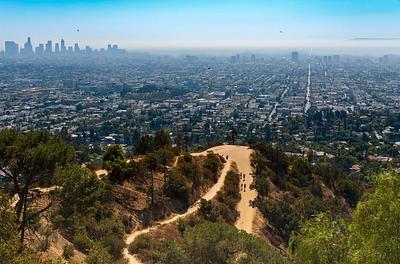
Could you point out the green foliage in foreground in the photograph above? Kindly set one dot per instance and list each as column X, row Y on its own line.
column 321, row 240
column 372, row 237
column 9, row 241
column 84, row 216
column 207, row 242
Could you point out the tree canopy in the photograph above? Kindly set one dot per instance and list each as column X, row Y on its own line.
column 372, row 237
column 29, row 159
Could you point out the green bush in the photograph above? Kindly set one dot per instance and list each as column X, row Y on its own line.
column 309, row 206
column 98, row 255
column 281, row 216
column 82, row 242
column 147, row 247
column 114, row 245
column 105, row 227
column 223, row 208
column 68, row 251
column 142, row 242
column 58, row 221
column 351, row 191
column 300, row 172
column 177, row 186
column 206, row 242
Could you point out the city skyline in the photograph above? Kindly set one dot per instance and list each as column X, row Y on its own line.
column 224, row 24
column 14, row 49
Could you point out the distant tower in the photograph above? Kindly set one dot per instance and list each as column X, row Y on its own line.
column 11, row 49
column 63, row 48
column 28, row 50
column 49, row 47
column 57, row 48
column 253, row 58
column 295, row 56
column 76, row 48
column 39, row 50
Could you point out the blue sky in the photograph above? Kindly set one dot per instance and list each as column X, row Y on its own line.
column 203, row 23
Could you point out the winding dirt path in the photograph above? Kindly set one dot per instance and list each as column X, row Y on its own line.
column 241, row 156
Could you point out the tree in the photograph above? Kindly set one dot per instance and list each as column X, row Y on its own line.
column 152, row 164
column 375, row 233
column 144, row 145
column 282, row 216
column 114, row 161
column 113, row 153
column 233, row 133
column 162, row 139
column 164, row 156
column 321, row 240
column 372, row 237
column 9, row 241
column 28, row 159
column 300, row 173
column 77, row 180
column 261, row 184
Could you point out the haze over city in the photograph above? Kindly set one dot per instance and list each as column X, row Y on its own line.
column 344, row 26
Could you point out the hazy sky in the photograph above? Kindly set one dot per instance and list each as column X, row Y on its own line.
column 203, row 23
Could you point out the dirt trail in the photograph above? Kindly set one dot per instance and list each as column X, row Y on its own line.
column 241, row 156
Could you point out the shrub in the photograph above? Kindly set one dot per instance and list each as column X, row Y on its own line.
column 261, row 183
column 105, row 227
column 281, row 216
column 309, row 206
column 177, row 186
column 351, row 191
column 68, row 251
column 58, row 221
column 147, row 247
column 82, row 242
column 126, row 221
column 300, row 173
column 114, row 245
column 98, row 255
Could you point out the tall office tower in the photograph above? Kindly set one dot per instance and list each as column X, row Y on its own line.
column 70, row 49
column 39, row 50
column 233, row 59
column 88, row 50
column 49, row 47
column 109, row 48
column 115, row 47
column 28, row 49
column 63, row 48
column 253, row 58
column 76, row 48
column 336, row 58
column 57, row 48
column 295, row 56
column 11, row 49
column 238, row 57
